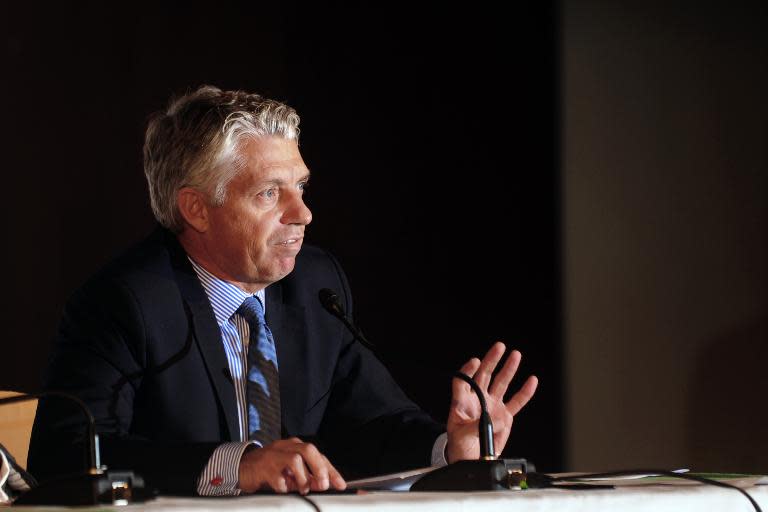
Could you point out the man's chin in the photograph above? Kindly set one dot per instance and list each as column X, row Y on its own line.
column 283, row 267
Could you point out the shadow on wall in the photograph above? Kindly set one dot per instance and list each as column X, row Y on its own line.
column 728, row 419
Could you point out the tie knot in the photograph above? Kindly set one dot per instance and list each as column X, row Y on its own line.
column 252, row 310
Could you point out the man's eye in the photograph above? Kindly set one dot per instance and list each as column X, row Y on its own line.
column 270, row 193
column 303, row 186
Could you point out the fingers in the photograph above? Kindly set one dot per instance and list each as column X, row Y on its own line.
column 288, row 465
column 523, row 396
column 292, row 475
column 279, row 484
column 336, row 480
column 318, row 467
column 470, row 367
column 482, row 372
column 505, row 375
column 488, row 364
column 295, row 469
column 460, row 387
column 464, row 413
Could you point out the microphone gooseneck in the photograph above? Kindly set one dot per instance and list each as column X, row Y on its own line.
column 96, row 486
column 486, row 473
column 93, row 438
column 332, row 304
column 485, row 425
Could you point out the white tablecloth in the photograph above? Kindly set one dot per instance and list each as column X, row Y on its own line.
column 662, row 498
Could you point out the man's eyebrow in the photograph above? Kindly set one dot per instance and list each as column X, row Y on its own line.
column 281, row 181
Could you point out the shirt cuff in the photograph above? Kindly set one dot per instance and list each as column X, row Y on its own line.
column 222, row 473
column 438, row 450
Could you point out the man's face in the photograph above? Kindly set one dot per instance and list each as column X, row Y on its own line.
column 254, row 237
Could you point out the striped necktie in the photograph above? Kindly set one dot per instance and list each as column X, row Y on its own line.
column 263, row 385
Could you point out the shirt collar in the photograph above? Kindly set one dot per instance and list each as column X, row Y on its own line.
column 225, row 297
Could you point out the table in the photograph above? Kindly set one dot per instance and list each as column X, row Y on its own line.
column 658, row 498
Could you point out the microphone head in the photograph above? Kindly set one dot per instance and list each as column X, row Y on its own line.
column 330, row 302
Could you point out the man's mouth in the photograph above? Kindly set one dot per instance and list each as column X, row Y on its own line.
column 289, row 241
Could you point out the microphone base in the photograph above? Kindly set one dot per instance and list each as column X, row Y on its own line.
column 466, row 475
column 108, row 487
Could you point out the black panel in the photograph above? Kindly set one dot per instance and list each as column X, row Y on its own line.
column 431, row 134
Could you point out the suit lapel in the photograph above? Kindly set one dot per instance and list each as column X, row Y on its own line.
column 288, row 327
column 207, row 335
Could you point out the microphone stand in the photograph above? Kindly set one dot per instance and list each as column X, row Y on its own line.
column 486, row 474
column 96, row 486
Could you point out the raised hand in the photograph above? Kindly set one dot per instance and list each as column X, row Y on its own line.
column 464, row 415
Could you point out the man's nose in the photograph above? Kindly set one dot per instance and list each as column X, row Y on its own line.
column 297, row 211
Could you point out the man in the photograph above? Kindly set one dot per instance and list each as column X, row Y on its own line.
column 190, row 385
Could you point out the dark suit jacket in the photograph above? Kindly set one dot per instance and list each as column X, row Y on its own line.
column 140, row 345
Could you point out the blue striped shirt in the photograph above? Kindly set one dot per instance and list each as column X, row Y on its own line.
column 220, row 475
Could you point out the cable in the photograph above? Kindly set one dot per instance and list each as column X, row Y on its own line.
column 311, row 503
column 663, row 472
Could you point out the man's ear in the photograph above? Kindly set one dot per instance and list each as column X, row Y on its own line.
column 193, row 208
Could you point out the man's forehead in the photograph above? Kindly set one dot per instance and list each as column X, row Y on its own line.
column 283, row 169
column 273, row 158
column 273, row 153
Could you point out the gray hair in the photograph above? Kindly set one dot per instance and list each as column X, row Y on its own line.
column 196, row 143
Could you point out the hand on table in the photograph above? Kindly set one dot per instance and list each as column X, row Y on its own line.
column 288, row 465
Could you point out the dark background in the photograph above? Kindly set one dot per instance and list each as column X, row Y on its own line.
column 432, row 135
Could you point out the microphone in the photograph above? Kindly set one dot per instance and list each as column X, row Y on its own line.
column 93, row 438
column 487, row 473
column 96, row 486
column 331, row 303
